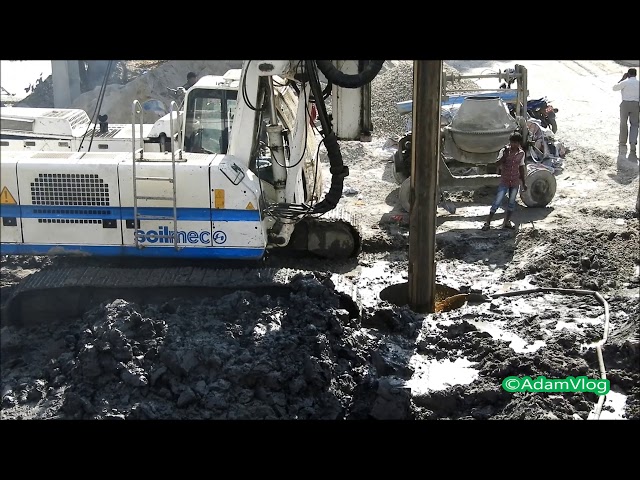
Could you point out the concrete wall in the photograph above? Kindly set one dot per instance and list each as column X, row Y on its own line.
column 66, row 82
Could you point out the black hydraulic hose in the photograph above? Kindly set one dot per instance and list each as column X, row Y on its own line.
column 314, row 84
column 345, row 80
column 338, row 172
column 96, row 112
column 325, row 93
column 337, row 168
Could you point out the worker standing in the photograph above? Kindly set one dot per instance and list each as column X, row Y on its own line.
column 629, row 89
column 512, row 173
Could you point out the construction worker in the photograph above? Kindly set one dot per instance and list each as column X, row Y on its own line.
column 512, row 172
column 192, row 78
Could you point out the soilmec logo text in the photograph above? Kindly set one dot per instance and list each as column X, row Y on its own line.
column 164, row 235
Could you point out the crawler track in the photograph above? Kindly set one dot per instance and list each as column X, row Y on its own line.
column 67, row 292
column 60, row 292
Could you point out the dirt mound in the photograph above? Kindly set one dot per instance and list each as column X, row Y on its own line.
column 255, row 357
column 130, row 80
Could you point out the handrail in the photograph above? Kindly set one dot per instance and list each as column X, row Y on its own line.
column 135, row 111
column 173, row 136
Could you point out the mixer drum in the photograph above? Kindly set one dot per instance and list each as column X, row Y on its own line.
column 482, row 125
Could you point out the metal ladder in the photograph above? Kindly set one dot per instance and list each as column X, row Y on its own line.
column 137, row 109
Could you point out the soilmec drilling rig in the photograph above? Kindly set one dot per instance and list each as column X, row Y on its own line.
column 242, row 177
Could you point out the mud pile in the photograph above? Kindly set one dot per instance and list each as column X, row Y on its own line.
column 597, row 260
column 244, row 356
column 310, row 355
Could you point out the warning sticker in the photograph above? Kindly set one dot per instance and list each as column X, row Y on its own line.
column 6, row 197
column 218, row 198
column 250, row 206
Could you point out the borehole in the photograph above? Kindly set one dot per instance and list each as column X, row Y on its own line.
column 446, row 298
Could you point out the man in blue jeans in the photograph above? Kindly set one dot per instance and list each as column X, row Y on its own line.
column 511, row 168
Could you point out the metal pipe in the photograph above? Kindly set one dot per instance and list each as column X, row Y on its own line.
column 276, row 146
column 571, row 291
column 272, row 101
column 367, row 125
column 505, row 76
column 477, row 90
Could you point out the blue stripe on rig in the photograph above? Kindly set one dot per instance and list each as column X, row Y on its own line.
column 9, row 211
column 126, row 213
column 131, row 251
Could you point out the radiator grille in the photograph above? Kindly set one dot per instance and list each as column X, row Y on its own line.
column 84, row 189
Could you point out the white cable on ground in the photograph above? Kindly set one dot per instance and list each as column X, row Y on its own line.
column 599, row 344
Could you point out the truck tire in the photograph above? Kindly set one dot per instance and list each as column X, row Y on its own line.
column 541, row 187
column 399, row 173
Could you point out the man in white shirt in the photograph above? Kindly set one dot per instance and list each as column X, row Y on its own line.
column 629, row 89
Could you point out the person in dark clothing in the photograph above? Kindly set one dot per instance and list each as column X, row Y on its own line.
column 512, row 171
column 192, row 78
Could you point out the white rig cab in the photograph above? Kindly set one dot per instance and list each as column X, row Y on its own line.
column 242, row 175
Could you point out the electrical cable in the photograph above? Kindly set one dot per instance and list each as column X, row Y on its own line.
column 243, row 88
column 570, row 291
column 102, row 92
column 97, row 109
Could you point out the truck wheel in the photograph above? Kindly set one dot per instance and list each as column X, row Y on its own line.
column 402, row 160
column 398, row 171
column 541, row 187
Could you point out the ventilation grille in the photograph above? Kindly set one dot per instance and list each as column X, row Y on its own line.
column 84, row 189
column 64, row 211
column 76, row 118
column 110, row 133
column 69, row 220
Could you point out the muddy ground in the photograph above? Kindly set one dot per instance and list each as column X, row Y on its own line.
column 312, row 355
